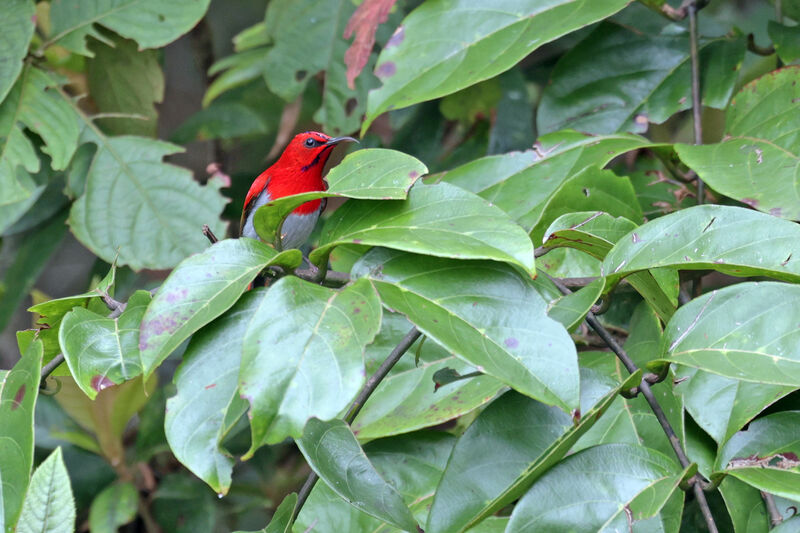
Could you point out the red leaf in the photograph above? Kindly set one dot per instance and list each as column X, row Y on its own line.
column 364, row 22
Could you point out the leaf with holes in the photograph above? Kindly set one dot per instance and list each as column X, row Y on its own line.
column 766, row 455
column 644, row 78
column 33, row 103
column 758, row 161
column 746, row 331
column 102, row 351
column 521, row 183
column 303, row 355
column 200, row 289
column 417, row 64
column 333, row 452
column 731, row 240
column 487, row 314
column 439, row 219
column 151, row 23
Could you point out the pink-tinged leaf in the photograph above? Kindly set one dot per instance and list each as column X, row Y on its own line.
column 364, row 22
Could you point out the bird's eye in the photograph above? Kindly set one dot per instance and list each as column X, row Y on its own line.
column 311, row 143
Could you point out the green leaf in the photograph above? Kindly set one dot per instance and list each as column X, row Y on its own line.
column 721, row 405
column 644, row 78
column 440, row 219
column 758, row 161
column 530, row 437
column 413, row 464
column 766, row 455
column 281, row 521
column 745, row 505
column 731, row 240
column 151, row 23
column 786, row 40
column 18, row 392
column 16, row 30
column 101, row 351
column 34, row 104
column 115, row 506
column 30, row 258
column 746, row 331
column 485, row 313
column 123, row 79
column 303, row 355
column 137, row 208
column 48, row 506
column 593, row 189
column 371, row 174
column 592, row 232
column 334, row 453
column 388, row 411
column 202, row 412
column 520, row 183
column 200, row 289
column 571, row 309
column 417, row 64
column 184, row 505
column 614, row 485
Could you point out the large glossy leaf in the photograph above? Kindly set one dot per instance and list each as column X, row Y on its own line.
column 758, row 161
column 102, row 351
column 334, row 453
column 732, row 240
column 123, row 79
column 16, row 30
column 722, row 405
column 417, row 64
column 200, row 289
column 642, row 78
column 303, row 355
column 413, row 464
column 487, row 314
column 129, row 209
column 746, row 331
column 766, row 455
column 389, row 411
column 18, row 392
column 439, row 219
column 34, row 104
column 529, row 436
column 374, row 174
column 48, row 506
column 115, row 506
column 151, row 23
column 786, row 40
column 520, row 183
column 205, row 407
column 613, row 485
column 745, row 506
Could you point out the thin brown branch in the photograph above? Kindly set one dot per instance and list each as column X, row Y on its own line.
column 644, row 387
column 209, row 234
column 363, row 395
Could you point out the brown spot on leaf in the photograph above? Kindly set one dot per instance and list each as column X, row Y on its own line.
column 386, row 69
column 511, row 342
column 776, row 211
column 18, row 397
column 350, row 106
column 413, row 174
column 207, row 387
column 300, row 75
column 99, row 382
column 356, row 310
column 752, row 202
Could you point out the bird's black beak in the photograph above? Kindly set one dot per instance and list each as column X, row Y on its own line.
column 337, row 140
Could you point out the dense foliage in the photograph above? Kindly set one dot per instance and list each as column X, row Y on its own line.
column 556, row 290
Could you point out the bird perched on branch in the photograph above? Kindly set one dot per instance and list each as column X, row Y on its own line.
column 297, row 170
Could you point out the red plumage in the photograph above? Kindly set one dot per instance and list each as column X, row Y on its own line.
column 297, row 170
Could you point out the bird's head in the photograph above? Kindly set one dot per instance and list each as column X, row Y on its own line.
column 309, row 151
